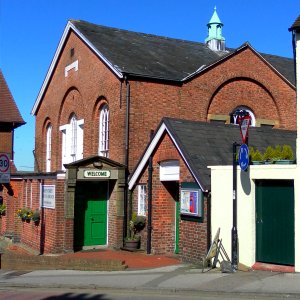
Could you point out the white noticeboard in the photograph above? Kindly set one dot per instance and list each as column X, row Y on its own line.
column 48, row 196
column 4, row 168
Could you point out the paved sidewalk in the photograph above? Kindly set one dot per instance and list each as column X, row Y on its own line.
column 148, row 272
column 180, row 278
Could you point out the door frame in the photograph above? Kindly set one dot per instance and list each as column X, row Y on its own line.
column 260, row 217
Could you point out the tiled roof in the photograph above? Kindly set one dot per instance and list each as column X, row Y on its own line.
column 296, row 24
column 9, row 112
column 210, row 144
column 160, row 57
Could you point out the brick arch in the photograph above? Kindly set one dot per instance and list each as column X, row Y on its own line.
column 99, row 103
column 72, row 103
column 243, row 91
column 47, row 121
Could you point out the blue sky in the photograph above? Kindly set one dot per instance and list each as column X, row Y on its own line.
column 30, row 31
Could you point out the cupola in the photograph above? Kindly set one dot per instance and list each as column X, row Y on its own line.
column 215, row 40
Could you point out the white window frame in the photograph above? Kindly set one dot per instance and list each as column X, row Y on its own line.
column 48, row 147
column 72, row 141
column 142, row 196
column 104, row 131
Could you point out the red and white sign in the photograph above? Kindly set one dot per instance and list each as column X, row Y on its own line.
column 4, row 168
column 244, row 126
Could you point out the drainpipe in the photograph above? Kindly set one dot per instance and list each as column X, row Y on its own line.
column 126, row 156
column 12, row 142
column 149, row 222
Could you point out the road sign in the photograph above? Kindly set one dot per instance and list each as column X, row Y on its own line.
column 244, row 126
column 244, row 157
column 4, row 168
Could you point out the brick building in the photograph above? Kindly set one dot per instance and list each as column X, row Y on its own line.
column 104, row 92
column 180, row 181
column 10, row 119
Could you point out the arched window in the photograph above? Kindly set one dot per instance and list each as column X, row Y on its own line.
column 48, row 147
column 233, row 119
column 72, row 140
column 104, row 131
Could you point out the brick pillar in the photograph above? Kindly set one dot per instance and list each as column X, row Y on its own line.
column 69, row 209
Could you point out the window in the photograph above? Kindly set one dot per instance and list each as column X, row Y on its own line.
column 48, row 147
column 233, row 119
column 104, row 131
column 142, row 190
column 72, row 140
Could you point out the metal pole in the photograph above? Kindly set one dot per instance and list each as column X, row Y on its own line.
column 149, row 225
column 234, row 231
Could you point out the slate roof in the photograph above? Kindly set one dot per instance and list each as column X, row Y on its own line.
column 9, row 112
column 160, row 57
column 210, row 144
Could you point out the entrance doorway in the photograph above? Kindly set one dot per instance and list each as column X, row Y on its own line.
column 275, row 222
column 90, row 214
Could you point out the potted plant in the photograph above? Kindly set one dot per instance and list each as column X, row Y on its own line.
column 25, row 214
column 269, row 155
column 277, row 153
column 2, row 210
column 136, row 224
column 36, row 216
column 287, row 155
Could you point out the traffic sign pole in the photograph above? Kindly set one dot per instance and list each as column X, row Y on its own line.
column 234, row 231
column 244, row 121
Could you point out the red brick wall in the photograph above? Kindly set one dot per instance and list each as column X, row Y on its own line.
column 82, row 93
column 192, row 233
column 8, row 226
column 47, row 236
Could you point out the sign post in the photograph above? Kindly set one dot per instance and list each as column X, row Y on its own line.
column 4, row 168
column 244, row 120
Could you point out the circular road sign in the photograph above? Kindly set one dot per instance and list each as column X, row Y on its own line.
column 4, row 163
column 244, row 157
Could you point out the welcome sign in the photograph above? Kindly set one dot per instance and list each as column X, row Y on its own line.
column 96, row 174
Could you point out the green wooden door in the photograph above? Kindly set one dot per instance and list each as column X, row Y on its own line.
column 90, row 222
column 275, row 222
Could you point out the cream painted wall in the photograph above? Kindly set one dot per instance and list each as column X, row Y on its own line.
column 297, row 178
column 221, row 205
